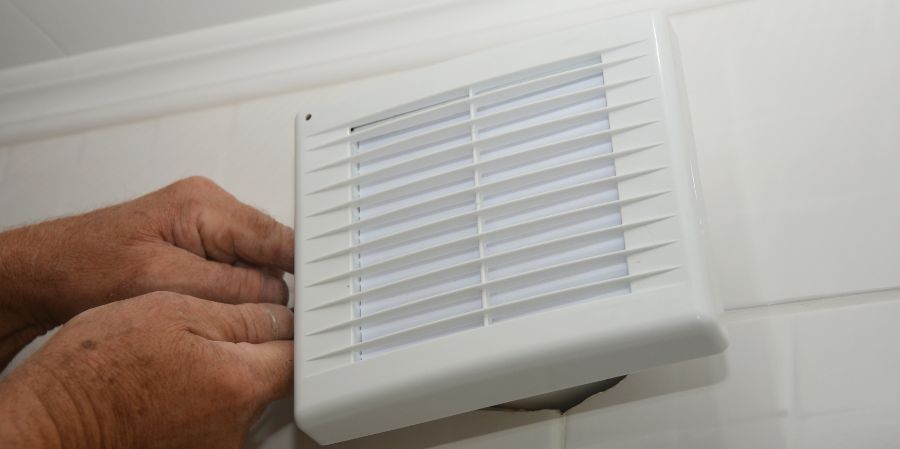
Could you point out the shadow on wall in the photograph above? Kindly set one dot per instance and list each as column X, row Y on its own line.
column 469, row 430
column 648, row 408
column 672, row 379
column 562, row 400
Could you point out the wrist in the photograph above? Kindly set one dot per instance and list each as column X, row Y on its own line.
column 25, row 421
column 29, row 281
column 44, row 410
column 24, row 315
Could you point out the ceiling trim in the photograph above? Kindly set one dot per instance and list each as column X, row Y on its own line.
column 320, row 45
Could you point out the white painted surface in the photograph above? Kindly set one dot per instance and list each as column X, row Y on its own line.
column 48, row 29
column 793, row 105
column 21, row 41
column 331, row 43
column 26, row 196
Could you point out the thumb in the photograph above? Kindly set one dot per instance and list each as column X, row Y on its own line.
column 258, row 335
column 249, row 322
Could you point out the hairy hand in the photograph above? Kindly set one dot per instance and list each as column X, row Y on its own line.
column 191, row 237
column 159, row 371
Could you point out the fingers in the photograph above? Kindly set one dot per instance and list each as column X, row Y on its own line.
column 243, row 323
column 262, row 333
column 258, row 335
column 214, row 224
column 237, row 232
column 183, row 272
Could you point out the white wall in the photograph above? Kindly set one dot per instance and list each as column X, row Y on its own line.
column 794, row 107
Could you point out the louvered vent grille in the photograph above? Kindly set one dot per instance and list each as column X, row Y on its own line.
column 501, row 225
column 489, row 203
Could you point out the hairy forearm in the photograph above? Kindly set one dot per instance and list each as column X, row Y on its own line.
column 34, row 269
column 23, row 283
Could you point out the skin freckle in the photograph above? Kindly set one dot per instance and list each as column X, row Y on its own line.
column 89, row 345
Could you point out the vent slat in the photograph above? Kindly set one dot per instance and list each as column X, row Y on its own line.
column 423, row 161
column 484, row 259
column 515, row 113
column 486, row 203
column 528, row 199
column 438, row 180
column 484, row 234
column 492, row 308
column 428, row 114
column 430, row 300
column 527, row 275
column 530, row 132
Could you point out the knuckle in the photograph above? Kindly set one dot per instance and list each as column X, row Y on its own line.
column 194, row 186
column 163, row 303
column 248, row 322
column 191, row 204
column 151, row 299
column 194, row 183
column 247, row 286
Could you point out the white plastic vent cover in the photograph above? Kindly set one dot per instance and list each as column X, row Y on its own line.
column 503, row 225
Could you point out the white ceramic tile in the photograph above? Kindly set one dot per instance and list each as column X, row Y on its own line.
column 818, row 374
column 494, row 429
column 33, row 178
column 847, row 375
column 794, row 108
column 848, row 361
column 21, row 42
column 873, row 429
column 695, row 404
column 85, row 25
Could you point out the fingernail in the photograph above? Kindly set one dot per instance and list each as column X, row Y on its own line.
column 282, row 324
column 274, row 325
column 276, row 291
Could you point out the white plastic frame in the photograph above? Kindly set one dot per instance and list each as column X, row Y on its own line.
column 667, row 317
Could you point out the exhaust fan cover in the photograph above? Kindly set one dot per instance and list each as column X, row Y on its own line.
column 506, row 224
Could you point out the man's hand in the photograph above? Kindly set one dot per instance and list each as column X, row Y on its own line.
column 159, row 371
column 191, row 237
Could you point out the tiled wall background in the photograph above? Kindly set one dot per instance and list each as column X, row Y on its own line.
column 795, row 106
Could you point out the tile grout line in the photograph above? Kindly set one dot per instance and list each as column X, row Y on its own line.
column 836, row 299
column 563, row 433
